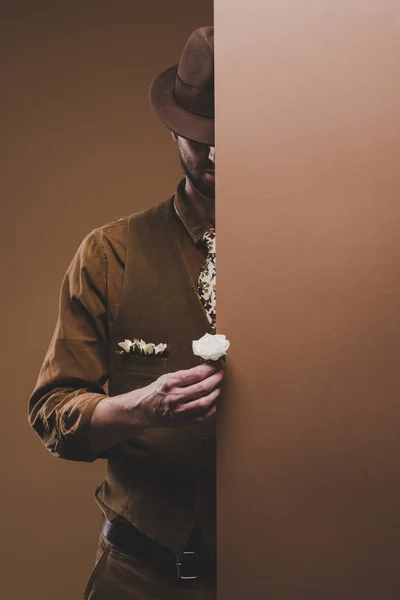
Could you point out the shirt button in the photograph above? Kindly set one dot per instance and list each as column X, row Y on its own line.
column 205, row 441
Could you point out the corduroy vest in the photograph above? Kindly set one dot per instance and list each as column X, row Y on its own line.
column 162, row 480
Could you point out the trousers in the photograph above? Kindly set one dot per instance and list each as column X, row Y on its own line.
column 121, row 576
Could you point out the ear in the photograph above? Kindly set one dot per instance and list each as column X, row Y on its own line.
column 174, row 135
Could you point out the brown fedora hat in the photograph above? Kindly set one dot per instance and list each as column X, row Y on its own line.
column 183, row 95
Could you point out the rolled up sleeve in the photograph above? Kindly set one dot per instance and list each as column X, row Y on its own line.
column 75, row 368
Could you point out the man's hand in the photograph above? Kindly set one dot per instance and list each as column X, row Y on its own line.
column 173, row 400
column 180, row 398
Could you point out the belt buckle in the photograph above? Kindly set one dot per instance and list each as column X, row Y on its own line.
column 183, row 564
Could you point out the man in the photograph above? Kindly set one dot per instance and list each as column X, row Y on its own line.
column 149, row 276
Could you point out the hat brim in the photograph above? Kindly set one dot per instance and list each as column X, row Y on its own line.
column 186, row 124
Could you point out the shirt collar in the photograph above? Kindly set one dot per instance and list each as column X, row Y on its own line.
column 195, row 226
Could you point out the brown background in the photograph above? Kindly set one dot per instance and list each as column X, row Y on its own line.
column 307, row 146
column 308, row 214
column 80, row 147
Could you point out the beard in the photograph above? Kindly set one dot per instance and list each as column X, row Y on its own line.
column 204, row 188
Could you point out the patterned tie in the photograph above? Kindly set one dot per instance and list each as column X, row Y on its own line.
column 206, row 284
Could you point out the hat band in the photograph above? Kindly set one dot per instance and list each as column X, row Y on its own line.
column 198, row 102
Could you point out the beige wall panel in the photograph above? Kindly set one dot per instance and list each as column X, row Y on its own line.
column 308, row 220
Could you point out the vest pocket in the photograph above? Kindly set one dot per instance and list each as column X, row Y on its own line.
column 147, row 365
column 133, row 371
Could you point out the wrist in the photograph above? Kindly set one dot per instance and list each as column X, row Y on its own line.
column 114, row 420
column 133, row 410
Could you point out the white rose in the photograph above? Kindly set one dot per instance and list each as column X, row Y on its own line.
column 211, row 347
column 126, row 345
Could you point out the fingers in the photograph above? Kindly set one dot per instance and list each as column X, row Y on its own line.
column 185, row 397
column 199, row 409
column 195, row 374
column 199, row 389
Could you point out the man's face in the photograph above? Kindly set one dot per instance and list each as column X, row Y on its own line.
column 197, row 165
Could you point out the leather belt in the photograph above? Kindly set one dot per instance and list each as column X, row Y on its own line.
column 189, row 565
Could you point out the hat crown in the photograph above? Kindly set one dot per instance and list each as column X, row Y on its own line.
column 183, row 95
column 196, row 65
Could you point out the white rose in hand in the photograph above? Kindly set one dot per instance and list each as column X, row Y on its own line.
column 211, row 347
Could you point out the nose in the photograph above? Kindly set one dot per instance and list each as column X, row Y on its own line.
column 211, row 155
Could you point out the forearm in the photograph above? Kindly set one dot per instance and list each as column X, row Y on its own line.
column 114, row 420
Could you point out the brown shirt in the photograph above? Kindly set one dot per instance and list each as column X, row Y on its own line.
column 72, row 378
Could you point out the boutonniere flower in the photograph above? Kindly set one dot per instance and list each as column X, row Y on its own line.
column 140, row 348
column 211, row 347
